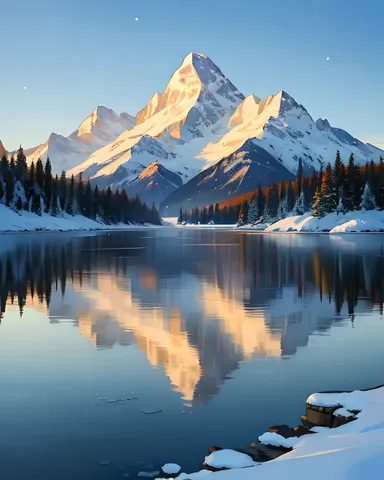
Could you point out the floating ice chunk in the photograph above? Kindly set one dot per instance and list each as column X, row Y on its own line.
column 171, row 468
column 104, row 463
column 150, row 410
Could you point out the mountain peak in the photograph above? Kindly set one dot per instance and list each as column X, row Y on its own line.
column 194, row 56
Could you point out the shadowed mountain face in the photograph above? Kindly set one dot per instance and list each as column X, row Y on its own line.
column 239, row 173
column 198, row 318
column 154, row 184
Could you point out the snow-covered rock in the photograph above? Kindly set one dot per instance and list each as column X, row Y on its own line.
column 349, row 452
column 101, row 127
column 276, row 440
column 229, row 459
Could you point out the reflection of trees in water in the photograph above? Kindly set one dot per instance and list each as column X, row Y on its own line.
column 258, row 267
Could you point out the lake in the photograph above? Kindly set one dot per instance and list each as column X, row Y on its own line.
column 143, row 347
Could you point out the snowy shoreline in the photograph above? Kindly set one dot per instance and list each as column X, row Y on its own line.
column 371, row 221
column 345, row 440
column 26, row 222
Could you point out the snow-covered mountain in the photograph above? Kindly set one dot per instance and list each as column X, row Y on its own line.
column 238, row 173
column 194, row 108
column 101, row 127
column 154, row 184
column 201, row 119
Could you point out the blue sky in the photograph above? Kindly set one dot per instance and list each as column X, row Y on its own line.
column 74, row 55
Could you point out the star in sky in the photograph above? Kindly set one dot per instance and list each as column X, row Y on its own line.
column 136, row 19
column 327, row 59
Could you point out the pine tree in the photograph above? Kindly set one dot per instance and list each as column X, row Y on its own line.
column 88, row 201
column 290, row 197
column 380, row 184
column 352, row 190
column 96, row 208
column 36, row 203
column 55, row 208
column 325, row 196
column 180, row 219
column 241, row 217
column 299, row 179
column 80, row 195
column 70, row 208
column 1, row 190
column 299, row 207
column 48, row 180
column 261, row 201
column 368, row 199
column 8, row 180
column 272, row 203
column 253, row 211
column 40, row 173
column 21, row 166
column 210, row 213
column 282, row 208
column 13, row 166
column 63, row 190
column 338, row 177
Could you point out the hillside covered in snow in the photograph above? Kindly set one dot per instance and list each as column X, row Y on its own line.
column 101, row 127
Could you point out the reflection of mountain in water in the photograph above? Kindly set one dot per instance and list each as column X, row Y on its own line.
column 197, row 316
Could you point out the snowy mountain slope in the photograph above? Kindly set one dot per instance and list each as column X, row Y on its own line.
column 201, row 118
column 101, row 127
column 195, row 106
column 287, row 131
column 154, row 183
column 238, row 173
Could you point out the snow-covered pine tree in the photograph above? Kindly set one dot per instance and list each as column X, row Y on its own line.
column 299, row 207
column 368, row 201
column 253, row 211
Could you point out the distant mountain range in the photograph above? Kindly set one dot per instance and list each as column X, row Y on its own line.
column 200, row 141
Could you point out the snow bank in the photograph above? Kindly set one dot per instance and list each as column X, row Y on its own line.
column 276, row 440
column 350, row 452
column 229, row 459
column 11, row 221
column 360, row 221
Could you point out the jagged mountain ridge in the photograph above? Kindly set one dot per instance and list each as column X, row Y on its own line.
column 154, row 184
column 101, row 127
column 202, row 118
column 238, row 173
column 195, row 105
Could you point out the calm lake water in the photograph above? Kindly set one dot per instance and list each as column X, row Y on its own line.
column 225, row 332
